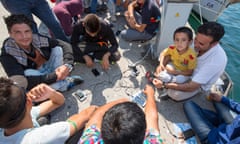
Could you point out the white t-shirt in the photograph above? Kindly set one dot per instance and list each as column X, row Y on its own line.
column 56, row 133
column 209, row 67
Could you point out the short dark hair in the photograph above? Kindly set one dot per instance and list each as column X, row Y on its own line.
column 124, row 123
column 185, row 30
column 12, row 103
column 212, row 29
column 92, row 23
column 17, row 19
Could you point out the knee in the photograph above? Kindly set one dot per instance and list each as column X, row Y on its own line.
column 57, row 51
column 115, row 56
column 188, row 105
column 123, row 34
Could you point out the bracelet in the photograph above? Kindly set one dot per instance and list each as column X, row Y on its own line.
column 69, row 66
column 73, row 124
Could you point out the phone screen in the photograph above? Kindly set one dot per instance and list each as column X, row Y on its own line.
column 95, row 72
column 139, row 98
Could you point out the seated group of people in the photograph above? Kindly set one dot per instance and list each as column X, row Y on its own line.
column 48, row 60
column 106, row 124
column 46, row 63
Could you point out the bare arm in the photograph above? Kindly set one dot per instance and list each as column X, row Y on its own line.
column 80, row 119
column 151, row 112
column 163, row 60
column 43, row 92
column 98, row 114
column 131, row 7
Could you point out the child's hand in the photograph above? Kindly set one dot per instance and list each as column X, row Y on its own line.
column 159, row 69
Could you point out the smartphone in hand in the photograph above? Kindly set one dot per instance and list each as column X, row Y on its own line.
column 139, row 98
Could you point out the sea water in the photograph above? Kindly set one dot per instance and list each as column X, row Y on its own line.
column 230, row 19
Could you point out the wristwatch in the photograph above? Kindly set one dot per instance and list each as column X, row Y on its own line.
column 69, row 66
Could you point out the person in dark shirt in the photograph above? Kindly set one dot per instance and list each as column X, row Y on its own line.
column 143, row 17
column 39, row 58
column 93, row 39
column 220, row 127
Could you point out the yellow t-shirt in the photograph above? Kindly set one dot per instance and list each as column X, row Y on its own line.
column 182, row 62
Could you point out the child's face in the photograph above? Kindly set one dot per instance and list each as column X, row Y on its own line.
column 182, row 41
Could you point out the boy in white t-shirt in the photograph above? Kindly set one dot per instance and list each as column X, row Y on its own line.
column 18, row 123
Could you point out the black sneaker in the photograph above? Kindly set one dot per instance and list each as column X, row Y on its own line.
column 74, row 80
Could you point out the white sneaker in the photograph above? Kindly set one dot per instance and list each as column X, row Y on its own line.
column 113, row 18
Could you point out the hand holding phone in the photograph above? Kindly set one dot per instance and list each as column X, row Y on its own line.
column 139, row 98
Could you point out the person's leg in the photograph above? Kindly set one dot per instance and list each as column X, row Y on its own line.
column 200, row 119
column 78, row 55
column 32, row 72
column 180, row 79
column 20, row 7
column 94, row 4
column 112, row 9
column 164, row 76
column 112, row 59
column 115, row 57
column 55, row 60
column 43, row 11
column 224, row 112
column 176, row 78
column 134, row 35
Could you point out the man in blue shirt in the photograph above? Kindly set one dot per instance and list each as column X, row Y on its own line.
column 222, row 126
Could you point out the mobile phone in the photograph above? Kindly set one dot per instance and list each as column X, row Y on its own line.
column 139, row 98
column 80, row 95
column 188, row 134
column 95, row 72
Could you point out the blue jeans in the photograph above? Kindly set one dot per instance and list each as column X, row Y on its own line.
column 94, row 4
column 203, row 120
column 39, row 8
column 55, row 60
